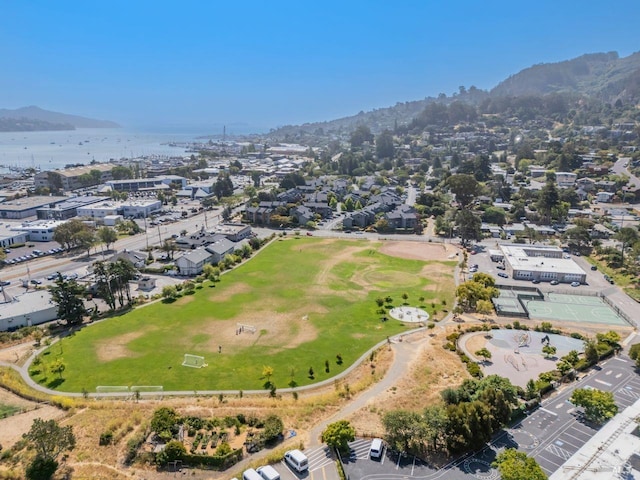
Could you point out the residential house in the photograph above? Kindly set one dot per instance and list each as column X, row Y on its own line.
column 302, row 214
column 604, row 197
column 403, row 217
column 220, row 248
column 192, row 262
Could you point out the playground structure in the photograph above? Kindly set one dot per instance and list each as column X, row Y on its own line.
column 409, row 314
column 522, row 340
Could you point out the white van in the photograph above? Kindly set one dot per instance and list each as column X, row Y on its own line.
column 269, row 473
column 376, row 448
column 251, row 474
column 297, row 460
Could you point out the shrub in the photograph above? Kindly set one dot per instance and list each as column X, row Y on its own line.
column 106, row 438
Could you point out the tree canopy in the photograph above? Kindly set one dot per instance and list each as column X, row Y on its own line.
column 515, row 465
column 338, row 435
column 599, row 406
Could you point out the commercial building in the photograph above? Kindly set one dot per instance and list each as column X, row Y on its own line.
column 153, row 183
column 39, row 230
column 68, row 208
column 27, row 309
column 73, row 178
column 8, row 239
column 540, row 262
column 26, row 207
column 129, row 208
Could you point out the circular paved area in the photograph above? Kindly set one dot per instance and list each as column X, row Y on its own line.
column 409, row 314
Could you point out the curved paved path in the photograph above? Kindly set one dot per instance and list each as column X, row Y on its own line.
column 404, row 352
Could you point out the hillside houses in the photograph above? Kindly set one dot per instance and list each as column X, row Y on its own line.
column 312, row 202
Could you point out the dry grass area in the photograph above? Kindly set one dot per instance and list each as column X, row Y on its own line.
column 12, row 428
column 420, row 251
column 432, row 370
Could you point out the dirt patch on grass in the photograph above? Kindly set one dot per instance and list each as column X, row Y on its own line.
column 420, row 250
column 236, row 288
column 285, row 329
column 116, row 347
column 184, row 300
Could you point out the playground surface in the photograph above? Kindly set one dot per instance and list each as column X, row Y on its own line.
column 517, row 354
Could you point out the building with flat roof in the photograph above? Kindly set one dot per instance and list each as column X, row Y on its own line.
column 25, row 207
column 68, row 208
column 153, row 183
column 8, row 239
column 612, row 453
column 541, row 262
column 234, row 231
column 99, row 210
column 26, row 309
column 39, row 230
column 140, row 208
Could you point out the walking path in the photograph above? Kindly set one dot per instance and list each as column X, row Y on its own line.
column 404, row 352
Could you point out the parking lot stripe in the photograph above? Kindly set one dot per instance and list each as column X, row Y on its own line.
column 549, row 411
column 602, row 382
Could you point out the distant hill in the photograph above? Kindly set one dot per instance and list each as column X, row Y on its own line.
column 602, row 76
column 35, row 118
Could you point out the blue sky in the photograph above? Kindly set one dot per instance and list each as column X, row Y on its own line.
column 195, row 65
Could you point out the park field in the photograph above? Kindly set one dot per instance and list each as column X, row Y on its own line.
column 310, row 301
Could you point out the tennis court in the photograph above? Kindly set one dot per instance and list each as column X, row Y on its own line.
column 573, row 308
column 508, row 305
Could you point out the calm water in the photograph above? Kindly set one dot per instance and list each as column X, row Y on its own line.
column 50, row 150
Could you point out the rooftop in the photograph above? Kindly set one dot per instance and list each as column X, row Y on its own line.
column 27, row 203
column 519, row 258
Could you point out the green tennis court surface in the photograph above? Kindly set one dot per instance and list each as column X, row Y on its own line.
column 573, row 308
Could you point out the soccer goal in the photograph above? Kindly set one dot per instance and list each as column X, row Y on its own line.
column 157, row 389
column 243, row 327
column 111, row 391
column 194, row 361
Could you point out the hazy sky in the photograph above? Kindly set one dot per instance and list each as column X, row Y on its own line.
column 195, row 65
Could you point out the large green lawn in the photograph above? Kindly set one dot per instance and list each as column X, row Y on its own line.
column 310, row 300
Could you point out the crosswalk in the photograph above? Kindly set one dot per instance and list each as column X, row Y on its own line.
column 319, row 457
column 558, row 452
column 360, row 449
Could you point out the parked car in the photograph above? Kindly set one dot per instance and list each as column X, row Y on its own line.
column 554, row 282
column 503, row 275
column 594, row 268
column 535, row 280
column 501, row 267
column 4, row 283
column 575, row 284
column 35, row 281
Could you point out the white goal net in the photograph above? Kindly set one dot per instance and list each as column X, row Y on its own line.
column 193, row 361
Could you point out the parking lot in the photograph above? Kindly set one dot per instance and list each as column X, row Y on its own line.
column 595, row 279
column 551, row 434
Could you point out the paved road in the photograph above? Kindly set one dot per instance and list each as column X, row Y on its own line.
column 620, row 168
